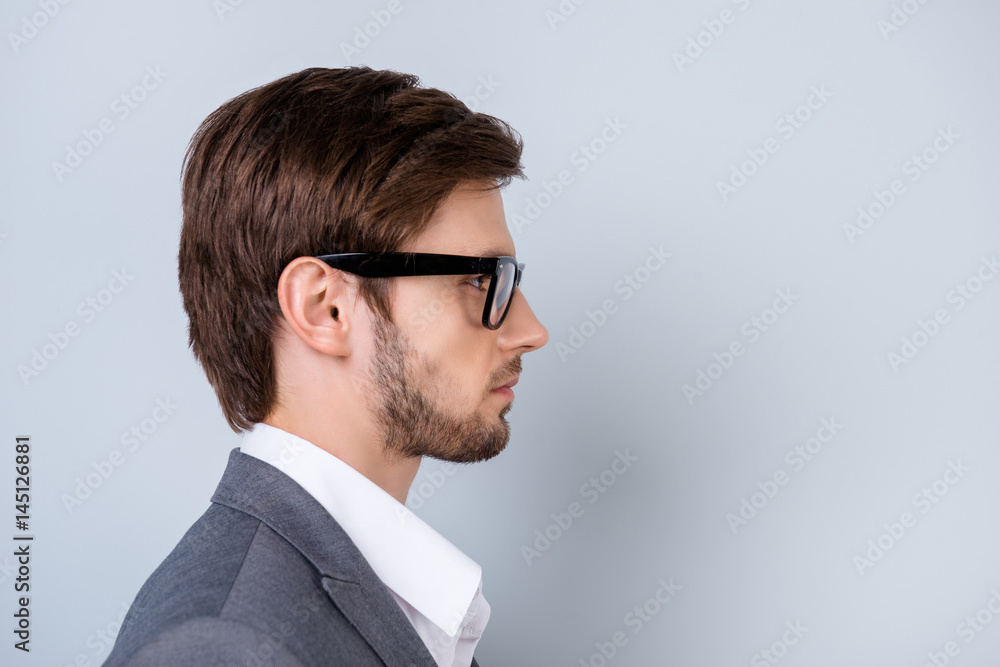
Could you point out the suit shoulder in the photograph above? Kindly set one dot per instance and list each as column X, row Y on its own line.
column 233, row 568
column 210, row 641
column 194, row 580
column 197, row 574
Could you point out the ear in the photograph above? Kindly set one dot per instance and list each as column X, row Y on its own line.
column 315, row 303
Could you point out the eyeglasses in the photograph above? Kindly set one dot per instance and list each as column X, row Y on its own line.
column 504, row 273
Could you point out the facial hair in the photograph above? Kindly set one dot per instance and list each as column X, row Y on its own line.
column 410, row 423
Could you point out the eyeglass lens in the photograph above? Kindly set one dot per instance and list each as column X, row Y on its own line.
column 505, row 287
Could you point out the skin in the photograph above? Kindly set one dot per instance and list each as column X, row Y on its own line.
column 380, row 395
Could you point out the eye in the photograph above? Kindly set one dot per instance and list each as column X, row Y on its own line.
column 480, row 282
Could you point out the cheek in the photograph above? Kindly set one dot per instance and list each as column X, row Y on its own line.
column 454, row 349
column 463, row 366
column 433, row 311
column 449, row 351
column 427, row 307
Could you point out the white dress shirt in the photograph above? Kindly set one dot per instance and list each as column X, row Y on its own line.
column 437, row 586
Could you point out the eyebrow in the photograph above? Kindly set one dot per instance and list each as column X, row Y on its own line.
column 495, row 252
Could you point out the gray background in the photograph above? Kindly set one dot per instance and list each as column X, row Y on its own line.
column 681, row 131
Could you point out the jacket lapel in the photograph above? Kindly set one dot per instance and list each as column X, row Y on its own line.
column 261, row 490
column 386, row 630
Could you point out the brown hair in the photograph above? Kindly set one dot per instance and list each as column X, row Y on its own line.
column 321, row 161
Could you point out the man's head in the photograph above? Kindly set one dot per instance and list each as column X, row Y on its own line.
column 352, row 160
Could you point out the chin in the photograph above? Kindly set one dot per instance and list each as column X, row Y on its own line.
column 481, row 450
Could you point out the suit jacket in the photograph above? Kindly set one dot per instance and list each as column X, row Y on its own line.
column 266, row 577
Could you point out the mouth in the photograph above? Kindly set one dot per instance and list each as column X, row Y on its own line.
column 510, row 384
column 505, row 389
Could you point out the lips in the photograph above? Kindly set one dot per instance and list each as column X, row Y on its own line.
column 509, row 384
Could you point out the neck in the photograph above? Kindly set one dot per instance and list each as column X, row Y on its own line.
column 357, row 448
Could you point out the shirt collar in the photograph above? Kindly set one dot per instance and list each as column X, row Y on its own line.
column 410, row 557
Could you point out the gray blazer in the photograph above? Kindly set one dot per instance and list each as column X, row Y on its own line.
column 266, row 577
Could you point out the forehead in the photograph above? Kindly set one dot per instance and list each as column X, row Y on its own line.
column 470, row 221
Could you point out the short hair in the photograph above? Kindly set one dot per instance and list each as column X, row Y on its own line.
column 320, row 161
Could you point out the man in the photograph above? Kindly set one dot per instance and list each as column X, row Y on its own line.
column 353, row 298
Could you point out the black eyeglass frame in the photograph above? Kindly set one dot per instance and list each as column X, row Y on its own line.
column 397, row 264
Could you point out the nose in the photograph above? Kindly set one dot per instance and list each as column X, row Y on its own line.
column 521, row 330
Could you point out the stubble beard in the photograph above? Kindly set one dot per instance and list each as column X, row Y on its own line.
column 410, row 423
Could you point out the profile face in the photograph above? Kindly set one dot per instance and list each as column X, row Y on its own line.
column 435, row 381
